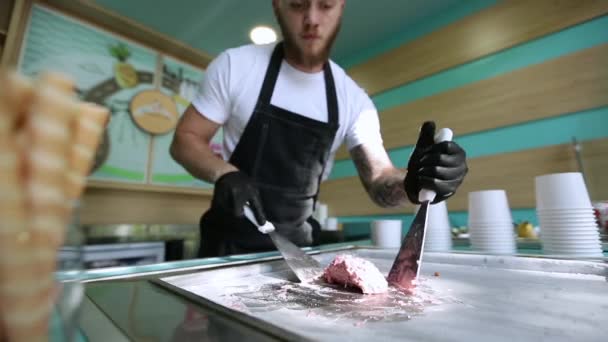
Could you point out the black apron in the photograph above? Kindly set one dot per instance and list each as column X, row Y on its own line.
column 285, row 154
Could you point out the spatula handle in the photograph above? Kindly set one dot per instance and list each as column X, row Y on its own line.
column 264, row 229
column 444, row 134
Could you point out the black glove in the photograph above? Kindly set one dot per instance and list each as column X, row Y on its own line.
column 232, row 191
column 439, row 167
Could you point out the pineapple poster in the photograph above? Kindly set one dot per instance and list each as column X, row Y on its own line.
column 145, row 91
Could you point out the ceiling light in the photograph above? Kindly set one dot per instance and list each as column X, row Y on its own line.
column 262, row 35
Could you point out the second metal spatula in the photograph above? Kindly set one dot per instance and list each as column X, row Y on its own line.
column 408, row 262
column 303, row 265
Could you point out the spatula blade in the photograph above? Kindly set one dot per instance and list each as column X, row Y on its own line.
column 407, row 264
column 305, row 267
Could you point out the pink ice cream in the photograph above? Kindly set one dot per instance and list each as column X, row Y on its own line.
column 348, row 270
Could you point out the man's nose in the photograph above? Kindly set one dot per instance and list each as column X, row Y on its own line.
column 312, row 16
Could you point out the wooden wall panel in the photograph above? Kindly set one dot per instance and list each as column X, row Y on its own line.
column 499, row 27
column 115, row 206
column 513, row 172
column 595, row 165
column 347, row 197
column 571, row 83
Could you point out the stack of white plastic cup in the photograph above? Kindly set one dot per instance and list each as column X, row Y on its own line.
column 490, row 222
column 567, row 222
column 438, row 230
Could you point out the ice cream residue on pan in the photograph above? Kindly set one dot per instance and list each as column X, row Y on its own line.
column 335, row 302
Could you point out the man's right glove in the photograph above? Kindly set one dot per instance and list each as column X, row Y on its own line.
column 438, row 167
column 232, row 191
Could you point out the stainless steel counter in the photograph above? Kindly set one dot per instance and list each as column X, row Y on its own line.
column 472, row 297
column 122, row 302
column 141, row 310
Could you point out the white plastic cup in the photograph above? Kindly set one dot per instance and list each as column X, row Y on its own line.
column 546, row 236
column 493, row 239
column 320, row 214
column 561, row 191
column 570, row 238
column 567, row 218
column 489, row 206
column 387, row 233
column 331, row 224
column 595, row 248
column 569, row 230
column 491, row 235
column 438, row 230
column 572, row 225
column 490, row 223
column 588, row 211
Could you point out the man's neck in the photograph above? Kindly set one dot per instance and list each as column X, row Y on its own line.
column 302, row 65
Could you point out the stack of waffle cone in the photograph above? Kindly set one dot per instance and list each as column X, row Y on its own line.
column 48, row 140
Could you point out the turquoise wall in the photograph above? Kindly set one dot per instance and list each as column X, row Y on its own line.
column 585, row 125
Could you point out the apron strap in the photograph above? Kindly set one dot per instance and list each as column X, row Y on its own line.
column 272, row 73
column 332, row 99
column 332, row 118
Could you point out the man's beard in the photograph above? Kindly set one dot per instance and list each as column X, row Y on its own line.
column 297, row 53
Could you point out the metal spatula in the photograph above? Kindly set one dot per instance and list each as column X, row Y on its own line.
column 303, row 265
column 408, row 262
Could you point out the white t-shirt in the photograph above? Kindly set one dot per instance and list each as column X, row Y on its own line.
column 232, row 84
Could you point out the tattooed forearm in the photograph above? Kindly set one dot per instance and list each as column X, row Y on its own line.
column 388, row 191
column 382, row 181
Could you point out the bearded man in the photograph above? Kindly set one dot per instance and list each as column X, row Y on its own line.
column 285, row 109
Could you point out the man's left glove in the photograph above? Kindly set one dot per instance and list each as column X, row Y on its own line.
column 232, row 191
column 439, row 167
